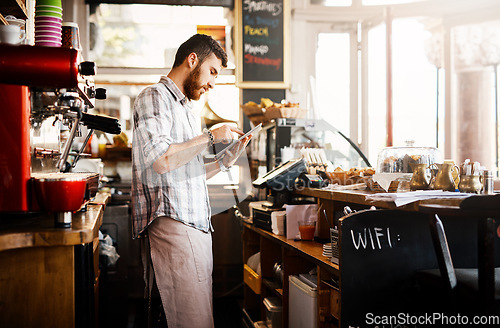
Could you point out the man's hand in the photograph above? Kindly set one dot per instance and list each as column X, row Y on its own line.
column 224, row 133
column 235, row 151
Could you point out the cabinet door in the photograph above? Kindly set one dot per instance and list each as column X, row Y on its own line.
column 84, row 286
column 36, row 285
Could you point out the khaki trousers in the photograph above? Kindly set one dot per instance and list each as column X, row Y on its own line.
column 183, row 263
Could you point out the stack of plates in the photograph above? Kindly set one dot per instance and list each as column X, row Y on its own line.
column 48, row 23
column 327, row 249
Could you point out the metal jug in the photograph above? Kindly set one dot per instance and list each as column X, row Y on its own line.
column 470, row 184
column 419, row 180
column 444, row 177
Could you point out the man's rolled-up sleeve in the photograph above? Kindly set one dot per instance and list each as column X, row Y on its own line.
column 153, row 124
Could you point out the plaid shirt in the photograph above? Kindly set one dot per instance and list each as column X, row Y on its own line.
column 162, row 116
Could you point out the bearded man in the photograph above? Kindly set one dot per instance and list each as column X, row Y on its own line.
column 171, row 210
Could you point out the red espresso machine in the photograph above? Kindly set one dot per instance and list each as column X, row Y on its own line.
column 45, row 94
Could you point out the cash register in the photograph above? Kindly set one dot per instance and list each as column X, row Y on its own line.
column 280, row 182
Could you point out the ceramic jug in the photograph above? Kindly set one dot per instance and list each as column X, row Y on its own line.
column 419, row 180
column 444, row 177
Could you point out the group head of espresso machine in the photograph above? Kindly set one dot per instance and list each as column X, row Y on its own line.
column 45, row 96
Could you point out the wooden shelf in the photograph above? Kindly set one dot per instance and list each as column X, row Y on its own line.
column 274, row 286
column 117, row 153
column 310, row 250
column 296, row 257
column 330, row 284
column 13, row 7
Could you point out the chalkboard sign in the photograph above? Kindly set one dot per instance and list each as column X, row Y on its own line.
column 380, row 251
column 262, row 43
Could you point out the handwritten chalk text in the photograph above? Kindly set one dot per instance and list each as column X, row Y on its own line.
column 251, row 59
column 271, row 22
column 374, row 238
column 254, row 6
column 262, row 31
column 254, row 50
column 262, row 39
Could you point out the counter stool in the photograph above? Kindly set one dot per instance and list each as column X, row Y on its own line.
column 471, row 289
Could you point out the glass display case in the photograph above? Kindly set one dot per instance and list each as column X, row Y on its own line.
column 282, row 140
column 400, row 159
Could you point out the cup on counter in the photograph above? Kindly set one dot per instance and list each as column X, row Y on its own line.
column 11, row 34
column 12, row 20
column 70, row 35
column 307, row 227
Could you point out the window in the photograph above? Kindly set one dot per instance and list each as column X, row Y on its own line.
column 377, row 93
column 148, row 35
column 332, row 3
column 443, row 80
column 332, row 79
column 387, row 2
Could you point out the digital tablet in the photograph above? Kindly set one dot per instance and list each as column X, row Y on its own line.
column 221, row 153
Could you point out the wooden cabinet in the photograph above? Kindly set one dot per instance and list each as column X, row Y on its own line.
column 49, row 277
column 379, row 254
column 296, row 257
column 13, row 7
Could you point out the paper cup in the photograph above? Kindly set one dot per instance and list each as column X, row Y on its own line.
column 48, row 24
column 48, row 35
column 48, row 28
column 48, row 19
column 47, row 13
column 56, row 3
column 70, row 35
column 47, row 44
column 48, row 7
column 48, row 39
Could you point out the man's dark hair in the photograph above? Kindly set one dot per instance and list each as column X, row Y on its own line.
column 203, row 46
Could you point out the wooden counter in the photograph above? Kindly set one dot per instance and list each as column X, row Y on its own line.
column 358, row 197
column 40, row 231
column 334, row 201
column 300, row 256
column 41, row 268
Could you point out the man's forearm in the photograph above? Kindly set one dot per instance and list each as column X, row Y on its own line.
column 179, row 154
column 212, row 169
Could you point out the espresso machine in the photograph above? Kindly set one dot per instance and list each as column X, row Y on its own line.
column 45, row 95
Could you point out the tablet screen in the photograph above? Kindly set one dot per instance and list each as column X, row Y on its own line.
column 254, row 131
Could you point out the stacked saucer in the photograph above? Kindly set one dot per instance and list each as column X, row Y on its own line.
column 48, row 23
column 327, row 249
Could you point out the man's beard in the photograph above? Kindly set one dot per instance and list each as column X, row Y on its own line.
column 191, row 84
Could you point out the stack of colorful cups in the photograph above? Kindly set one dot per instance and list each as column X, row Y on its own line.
column 48, row 23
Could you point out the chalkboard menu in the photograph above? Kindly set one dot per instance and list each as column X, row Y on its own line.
column 261, row 43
